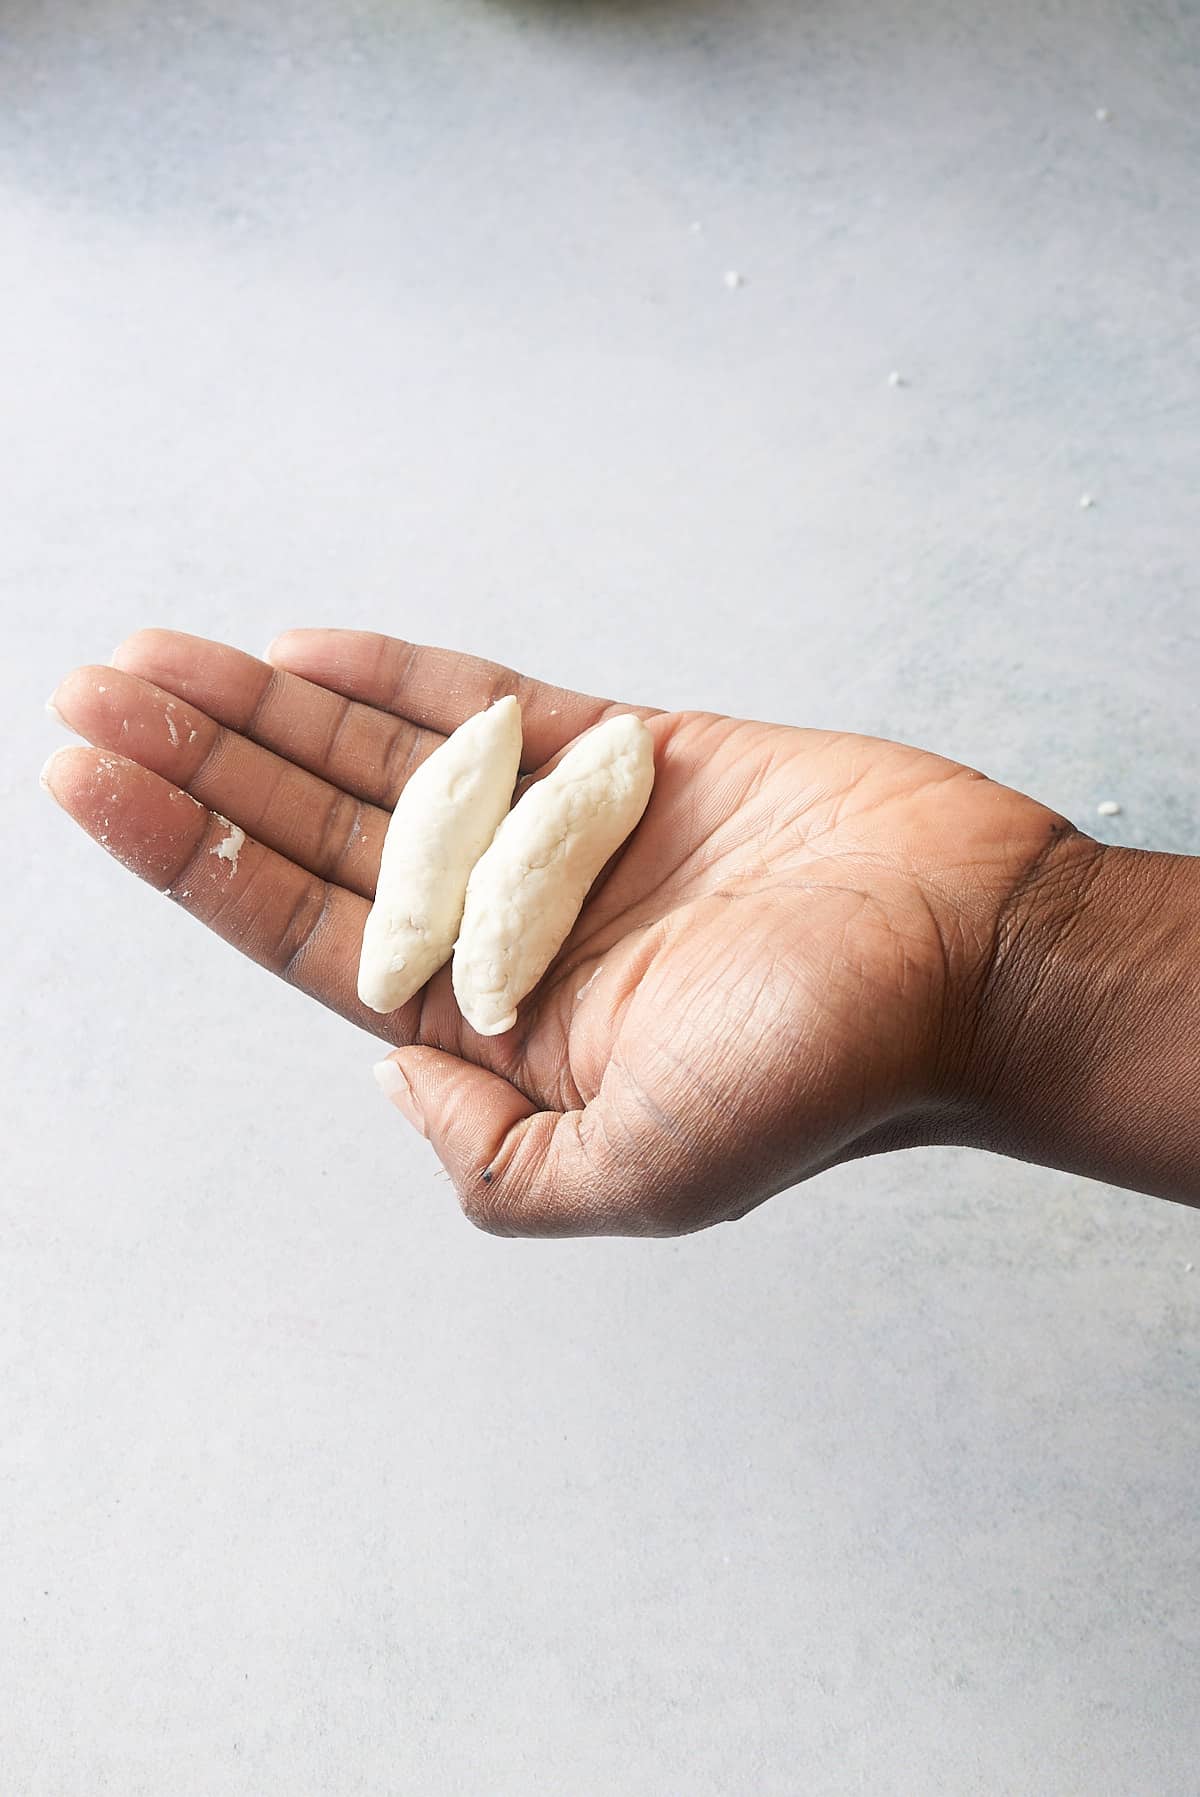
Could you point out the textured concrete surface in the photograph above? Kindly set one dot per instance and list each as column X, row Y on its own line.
column 395, row 316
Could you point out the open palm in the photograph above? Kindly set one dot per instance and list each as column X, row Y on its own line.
column 776, row 974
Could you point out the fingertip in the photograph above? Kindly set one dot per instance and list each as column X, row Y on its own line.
column 61, row 771
column 277, row 650
column 312, row 652
column 45, row 778
column 392, row 1082
column 72, row 770
column 125, row 655
column 75, row 699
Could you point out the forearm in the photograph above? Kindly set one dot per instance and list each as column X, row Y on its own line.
column 1087, row 1042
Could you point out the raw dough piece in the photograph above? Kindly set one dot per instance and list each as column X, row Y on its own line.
column 527, row 890
column 443, row 821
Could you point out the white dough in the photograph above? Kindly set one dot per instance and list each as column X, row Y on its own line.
column 443, row 821
column 527, row 890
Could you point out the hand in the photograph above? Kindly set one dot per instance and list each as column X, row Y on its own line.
column 781, row 971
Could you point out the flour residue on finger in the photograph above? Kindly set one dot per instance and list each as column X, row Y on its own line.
column 588, row 984
column 229, row 847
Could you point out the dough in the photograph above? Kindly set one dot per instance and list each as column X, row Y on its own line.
column 529, row 886
column 443, row 821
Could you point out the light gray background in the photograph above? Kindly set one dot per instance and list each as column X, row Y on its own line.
column 393, row 315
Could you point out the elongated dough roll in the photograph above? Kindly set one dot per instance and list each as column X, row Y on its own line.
column 443, row 821
column 528, row 888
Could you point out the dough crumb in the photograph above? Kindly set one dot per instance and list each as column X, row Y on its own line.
column 229, row 847
column 1102, row 115
column 1086, row 502
column 101, row 689
column 1108, row 808
column 192, row 735
column 896, row 379
column 695, row 227
column 734, row 279
column 172, row 732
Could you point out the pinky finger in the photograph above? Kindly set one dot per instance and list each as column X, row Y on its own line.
column 286, row 919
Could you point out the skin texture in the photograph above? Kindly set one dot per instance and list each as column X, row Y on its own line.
column 816, row 946
column 527, row 890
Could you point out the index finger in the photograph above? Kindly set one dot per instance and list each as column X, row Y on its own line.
column 438, row 689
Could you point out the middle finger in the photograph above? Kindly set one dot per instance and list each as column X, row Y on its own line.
column 355, row 747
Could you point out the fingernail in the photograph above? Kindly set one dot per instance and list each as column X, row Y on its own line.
column 53, row 711
column 270, row 649
column 395, row 1087
column 44, row 776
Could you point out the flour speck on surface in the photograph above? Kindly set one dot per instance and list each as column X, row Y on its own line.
column 1086, row 502
column 896, row 379
column 1108, row 808
column 734, row 279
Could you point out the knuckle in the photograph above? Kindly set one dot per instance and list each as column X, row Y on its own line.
column 299, row 930
column 401, row 758
column 262, row 703
column 338, row 828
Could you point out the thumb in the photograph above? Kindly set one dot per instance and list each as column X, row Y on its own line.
column 517, row 1170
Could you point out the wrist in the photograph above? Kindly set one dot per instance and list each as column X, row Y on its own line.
column 1085, row 1022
